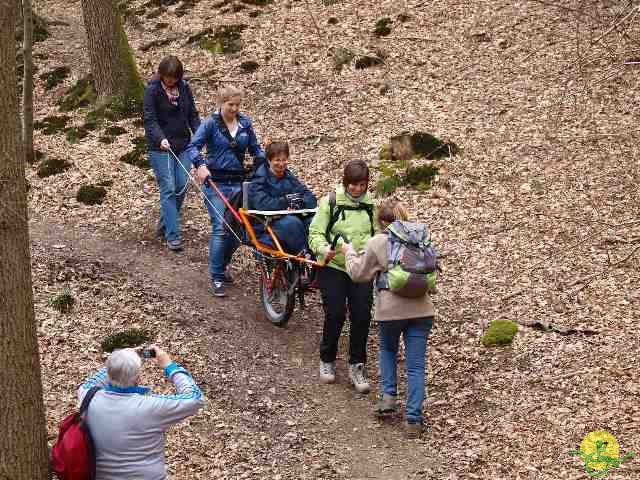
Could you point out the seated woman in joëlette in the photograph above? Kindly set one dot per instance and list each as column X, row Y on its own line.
column 275, row 187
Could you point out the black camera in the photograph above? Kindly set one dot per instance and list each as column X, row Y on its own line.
column 147, row 353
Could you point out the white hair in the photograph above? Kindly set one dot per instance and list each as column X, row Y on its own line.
column 123, row 367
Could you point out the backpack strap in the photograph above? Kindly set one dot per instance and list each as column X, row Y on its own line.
column 87, row 399
column 334, row 214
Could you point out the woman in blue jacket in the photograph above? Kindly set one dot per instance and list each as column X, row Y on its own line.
column 228, row 135
column 170, row 117
column 274, row 187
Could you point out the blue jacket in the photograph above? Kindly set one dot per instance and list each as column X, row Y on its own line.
column 163, row 120
column 222, row 156
column 267, row 192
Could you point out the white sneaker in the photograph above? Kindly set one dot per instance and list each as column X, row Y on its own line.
column 358, row 377
column 327, row 372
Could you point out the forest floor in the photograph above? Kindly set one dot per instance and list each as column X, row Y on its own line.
column 538, row 217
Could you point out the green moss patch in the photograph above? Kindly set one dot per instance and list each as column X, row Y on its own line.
column 225, row 39
column 52, row 124
column 382, row 28
column 115, row 130
column 138, row 156
column 91, row 194
column 55, row 77
column 81, row 94
column 341, row 57
column 249, row 66
column 129, row 338
column 500, row 332
column 52, row 166
column 366, row 61
column 75, row 134
column 420, row 145
column 63, row 302
column 396, row 165
column 420, row 178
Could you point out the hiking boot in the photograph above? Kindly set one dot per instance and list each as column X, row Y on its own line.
column 414, row 430
column 327, row 372
column 387, row 404
column 358, row 377
column 174, row 245
column 217, row 289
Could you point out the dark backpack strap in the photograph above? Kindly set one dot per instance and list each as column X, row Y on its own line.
column 87, row 399
column 369, row 209
column 333, row 216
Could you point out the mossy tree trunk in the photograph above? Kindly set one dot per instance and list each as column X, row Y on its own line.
column 27, row 82
column 112, row 64
column 23, row 442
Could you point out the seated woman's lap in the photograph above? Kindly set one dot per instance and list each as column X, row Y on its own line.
column 291, row 232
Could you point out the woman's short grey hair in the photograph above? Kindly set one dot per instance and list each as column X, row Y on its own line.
column 227, row 92
column 123, row 367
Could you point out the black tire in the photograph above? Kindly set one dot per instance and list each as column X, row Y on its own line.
column 278, row 301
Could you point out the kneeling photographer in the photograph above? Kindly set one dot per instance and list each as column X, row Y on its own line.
column 127, row 421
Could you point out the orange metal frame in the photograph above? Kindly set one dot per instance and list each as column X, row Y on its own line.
column 278, row 252
column 245, row 218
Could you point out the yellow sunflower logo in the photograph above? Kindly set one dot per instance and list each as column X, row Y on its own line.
column 600, row 451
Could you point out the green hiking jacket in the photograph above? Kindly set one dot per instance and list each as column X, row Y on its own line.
column 356, row 226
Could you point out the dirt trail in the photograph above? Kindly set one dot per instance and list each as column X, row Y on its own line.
column 256, row 359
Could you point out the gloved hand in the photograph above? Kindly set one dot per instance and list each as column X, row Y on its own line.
column 294, row 201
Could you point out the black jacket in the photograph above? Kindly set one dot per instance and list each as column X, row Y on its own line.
column 162, row 119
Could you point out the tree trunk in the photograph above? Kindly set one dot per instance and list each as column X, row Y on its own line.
column 112, row 63
column 27, row 82
column 23, row 442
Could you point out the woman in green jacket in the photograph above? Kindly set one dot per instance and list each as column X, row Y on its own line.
column 346, row 214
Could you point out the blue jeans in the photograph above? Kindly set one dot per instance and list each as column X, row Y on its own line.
column 172, row 180
column 415, row 333
column 222, row 243
column 291, row 232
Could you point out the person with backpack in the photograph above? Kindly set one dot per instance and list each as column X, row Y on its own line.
column 128, row 422
column 345, row 213
column 404, row 264
column 228, row 135
column 170, row 117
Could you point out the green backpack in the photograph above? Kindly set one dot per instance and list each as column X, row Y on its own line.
column 413, row 261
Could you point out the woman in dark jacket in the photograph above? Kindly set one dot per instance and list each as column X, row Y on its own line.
column 228, row 135
column 274, row 187
column 170, row 117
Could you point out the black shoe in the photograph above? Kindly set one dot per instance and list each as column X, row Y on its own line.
column 217, row 289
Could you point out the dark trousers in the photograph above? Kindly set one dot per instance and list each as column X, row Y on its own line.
column 338, row 292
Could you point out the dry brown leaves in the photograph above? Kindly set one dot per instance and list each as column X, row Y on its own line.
column 538, row 217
